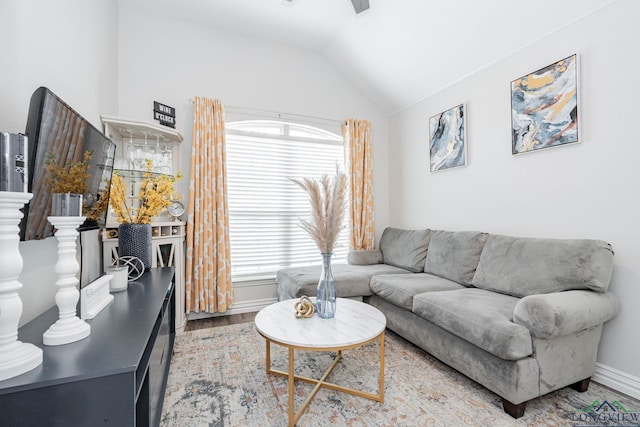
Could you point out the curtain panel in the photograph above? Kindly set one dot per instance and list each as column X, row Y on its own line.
column 357, row 138
column 208, row 261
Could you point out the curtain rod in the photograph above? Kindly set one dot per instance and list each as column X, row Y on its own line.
column 261, row 113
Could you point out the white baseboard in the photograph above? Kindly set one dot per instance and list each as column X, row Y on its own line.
column 237, row 308
column 617, row 380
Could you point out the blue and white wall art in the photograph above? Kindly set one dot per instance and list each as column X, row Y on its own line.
column 544, row 107
column 447, row 147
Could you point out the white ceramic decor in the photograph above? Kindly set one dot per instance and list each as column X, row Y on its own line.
column 69, row 327
column 15, row 357
column 95, row 297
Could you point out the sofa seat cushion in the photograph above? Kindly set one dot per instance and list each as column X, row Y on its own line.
column 351, row 280
column 399, row 289
column 454, row 255
column 528, row 266
column 482, row 317
column 405, row 249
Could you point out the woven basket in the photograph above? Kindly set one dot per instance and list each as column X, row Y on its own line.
column 135, row 240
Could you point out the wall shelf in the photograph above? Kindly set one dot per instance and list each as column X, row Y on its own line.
column 119, row 129
column 138, row 141
column 135, row 142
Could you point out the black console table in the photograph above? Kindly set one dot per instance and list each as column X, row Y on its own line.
column 114, row 377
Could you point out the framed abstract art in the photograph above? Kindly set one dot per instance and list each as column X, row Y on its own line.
column 447, row 146
column 544, row 107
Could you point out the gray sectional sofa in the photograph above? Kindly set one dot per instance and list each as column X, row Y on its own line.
column 521, row 316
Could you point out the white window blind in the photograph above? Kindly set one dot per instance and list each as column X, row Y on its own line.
column 264, row 205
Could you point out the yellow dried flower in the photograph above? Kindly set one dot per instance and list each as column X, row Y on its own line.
column 72, row 178
column 99, row 207
column 157, row 191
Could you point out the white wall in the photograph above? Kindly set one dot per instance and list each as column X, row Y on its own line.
column 70, row 46
column 173, row 61
column 586, row 190
column 102, row 62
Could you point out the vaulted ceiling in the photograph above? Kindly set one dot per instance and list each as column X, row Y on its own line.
column 399, row 51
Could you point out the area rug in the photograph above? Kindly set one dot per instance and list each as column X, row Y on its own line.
column 217, row 378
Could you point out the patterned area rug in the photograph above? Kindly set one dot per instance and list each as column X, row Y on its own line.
column 218, row 378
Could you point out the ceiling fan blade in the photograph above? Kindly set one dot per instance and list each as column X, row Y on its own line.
column 360, row 5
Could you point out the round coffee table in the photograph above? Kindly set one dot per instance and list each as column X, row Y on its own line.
column 354, row 325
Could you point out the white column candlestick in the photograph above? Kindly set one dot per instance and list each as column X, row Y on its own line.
column 15, row 357
column 69, row 327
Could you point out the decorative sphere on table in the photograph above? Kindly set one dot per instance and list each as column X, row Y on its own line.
column 304, row 308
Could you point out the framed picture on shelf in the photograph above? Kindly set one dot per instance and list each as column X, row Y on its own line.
column 447, row 134
column 544, row 107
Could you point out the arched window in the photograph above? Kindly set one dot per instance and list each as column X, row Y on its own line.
column 264, row 205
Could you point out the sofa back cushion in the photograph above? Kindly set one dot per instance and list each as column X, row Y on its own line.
column 455, row 255
column 405, row 248
column 527, row 266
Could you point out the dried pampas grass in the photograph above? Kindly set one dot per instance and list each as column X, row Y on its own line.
column 328, row 197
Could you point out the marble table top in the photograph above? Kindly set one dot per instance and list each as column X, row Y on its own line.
column 354, row 323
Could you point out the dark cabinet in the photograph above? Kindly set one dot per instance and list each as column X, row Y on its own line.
column 114, row 377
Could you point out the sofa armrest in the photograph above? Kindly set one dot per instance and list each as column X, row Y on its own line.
column 361, row 257
column 562, row 313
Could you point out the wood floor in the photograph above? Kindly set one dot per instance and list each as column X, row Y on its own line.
column 212, row 322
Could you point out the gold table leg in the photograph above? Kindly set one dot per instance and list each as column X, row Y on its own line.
column 381, row 363
column 268, row 353
column 294, row 416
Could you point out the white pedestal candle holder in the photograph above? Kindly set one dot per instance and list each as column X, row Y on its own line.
column 15, row 357
column 69, row 327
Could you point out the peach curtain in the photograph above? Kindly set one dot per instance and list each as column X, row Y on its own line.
column 208, row 264
column 357, row 138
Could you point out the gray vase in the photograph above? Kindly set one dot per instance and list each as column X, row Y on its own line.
column 135, row 240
